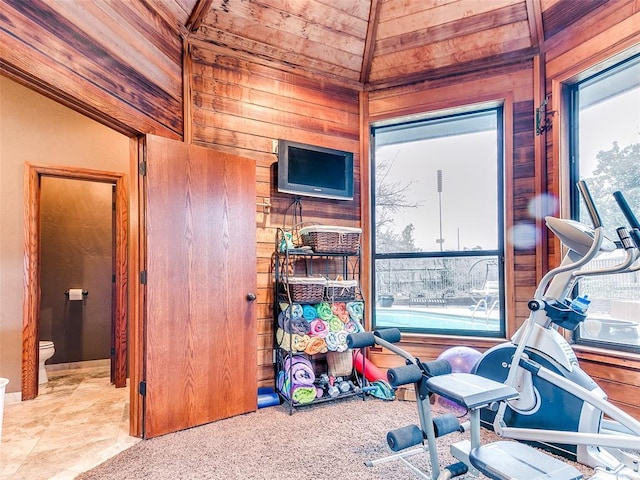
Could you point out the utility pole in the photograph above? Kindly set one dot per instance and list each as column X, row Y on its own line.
column 440, row 240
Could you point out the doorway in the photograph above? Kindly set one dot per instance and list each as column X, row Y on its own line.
column 31, row 310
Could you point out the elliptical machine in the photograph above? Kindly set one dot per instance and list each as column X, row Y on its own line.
column 559, row 407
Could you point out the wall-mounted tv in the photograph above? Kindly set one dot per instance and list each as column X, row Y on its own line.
column 314, row 171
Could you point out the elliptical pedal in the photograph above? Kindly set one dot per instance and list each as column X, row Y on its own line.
column 516, row 461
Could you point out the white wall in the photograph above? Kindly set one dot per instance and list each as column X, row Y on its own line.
column 37, row 130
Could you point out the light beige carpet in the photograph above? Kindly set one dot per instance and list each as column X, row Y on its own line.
column 325, row 441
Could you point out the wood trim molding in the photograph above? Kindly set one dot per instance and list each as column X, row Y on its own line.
column 31, row 302
column 365, row 208
column 536, row 29
column 370, row 40
column 540, row 159
column 32, row 271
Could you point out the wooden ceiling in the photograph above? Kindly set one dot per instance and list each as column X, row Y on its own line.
column 378, row 43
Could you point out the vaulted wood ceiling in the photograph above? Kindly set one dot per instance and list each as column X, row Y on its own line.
column 379, row 42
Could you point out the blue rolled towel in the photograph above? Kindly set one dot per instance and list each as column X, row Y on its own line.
column 309, row 312
column 356, row 310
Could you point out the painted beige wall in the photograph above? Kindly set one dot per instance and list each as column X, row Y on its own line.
column 37, row 130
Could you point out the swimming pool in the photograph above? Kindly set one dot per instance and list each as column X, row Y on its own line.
column 452, row 320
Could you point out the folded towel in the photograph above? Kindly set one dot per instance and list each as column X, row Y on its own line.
column 303, row 394
column 302, row 374
column 293, row 325
column 309, row 312
column 324, row 311
column 342, row 341
column 297, row 393
column 336, row 341
column 316, row 345
column 352, row 327
column 356, row 310
column 318, row 328
column 291, row 360
column 293, row 311
column 291, row 342
column 335, row 324
column 340, row 310
column 332, row 341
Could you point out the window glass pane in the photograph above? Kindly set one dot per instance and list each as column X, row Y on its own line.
column 435, row 187
column 438, row 220
column 608, row 145
column 442, row 294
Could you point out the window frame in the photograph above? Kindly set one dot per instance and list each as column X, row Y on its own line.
column 499, row 252
column 570, row 100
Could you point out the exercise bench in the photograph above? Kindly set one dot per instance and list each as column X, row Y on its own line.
column 502, row 460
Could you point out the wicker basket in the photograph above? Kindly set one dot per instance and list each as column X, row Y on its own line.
column 306, row 289
column 341, row 291
column 329, row 239
column 340, row 364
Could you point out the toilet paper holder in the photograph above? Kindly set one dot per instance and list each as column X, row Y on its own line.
column 84, row 293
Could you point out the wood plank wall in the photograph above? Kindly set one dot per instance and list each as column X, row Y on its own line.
column 241, row 106
column 119, row 65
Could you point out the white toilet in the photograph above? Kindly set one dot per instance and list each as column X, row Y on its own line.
column 46, row 352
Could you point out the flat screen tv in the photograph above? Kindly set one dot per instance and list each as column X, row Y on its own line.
column 314, row 171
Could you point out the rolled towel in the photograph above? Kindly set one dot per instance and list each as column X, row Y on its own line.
column 340, row 310
column 302, row 374
column 284, row 340
column 303, row 394
column 316, row 345
column 309, row 312
column 342, row 341
column 291, row 325
column 351, row 327
column 332, row 341
column 299, row 326
column 335, row 324
column 300, row 342
column 356, row 310
column 291, row 342
column 324, row 311
column 297, row 393
column 291, row 360
column 292, row 311
column 318, row 328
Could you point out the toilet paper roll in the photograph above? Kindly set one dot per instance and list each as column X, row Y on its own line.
column 75, row 294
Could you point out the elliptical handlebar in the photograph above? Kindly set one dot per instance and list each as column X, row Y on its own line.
column 629, row 215
column 588, row 200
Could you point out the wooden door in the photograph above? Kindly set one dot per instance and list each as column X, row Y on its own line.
column 200, row 357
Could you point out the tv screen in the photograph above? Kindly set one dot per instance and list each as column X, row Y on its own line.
column 314, row 171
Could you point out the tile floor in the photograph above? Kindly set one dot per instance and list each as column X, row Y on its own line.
column 77, row 422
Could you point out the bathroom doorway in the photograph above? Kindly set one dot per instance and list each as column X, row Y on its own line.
column 33, row 281
column 76, row 271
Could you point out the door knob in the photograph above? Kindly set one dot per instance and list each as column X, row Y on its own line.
column 251, row 297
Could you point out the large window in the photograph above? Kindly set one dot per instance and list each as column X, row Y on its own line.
column 605, row 152
column 438, row 217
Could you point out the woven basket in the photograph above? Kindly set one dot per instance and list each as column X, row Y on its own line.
column 341, row 291
column 340, row 364
column 327, row 239
column 306, row 289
